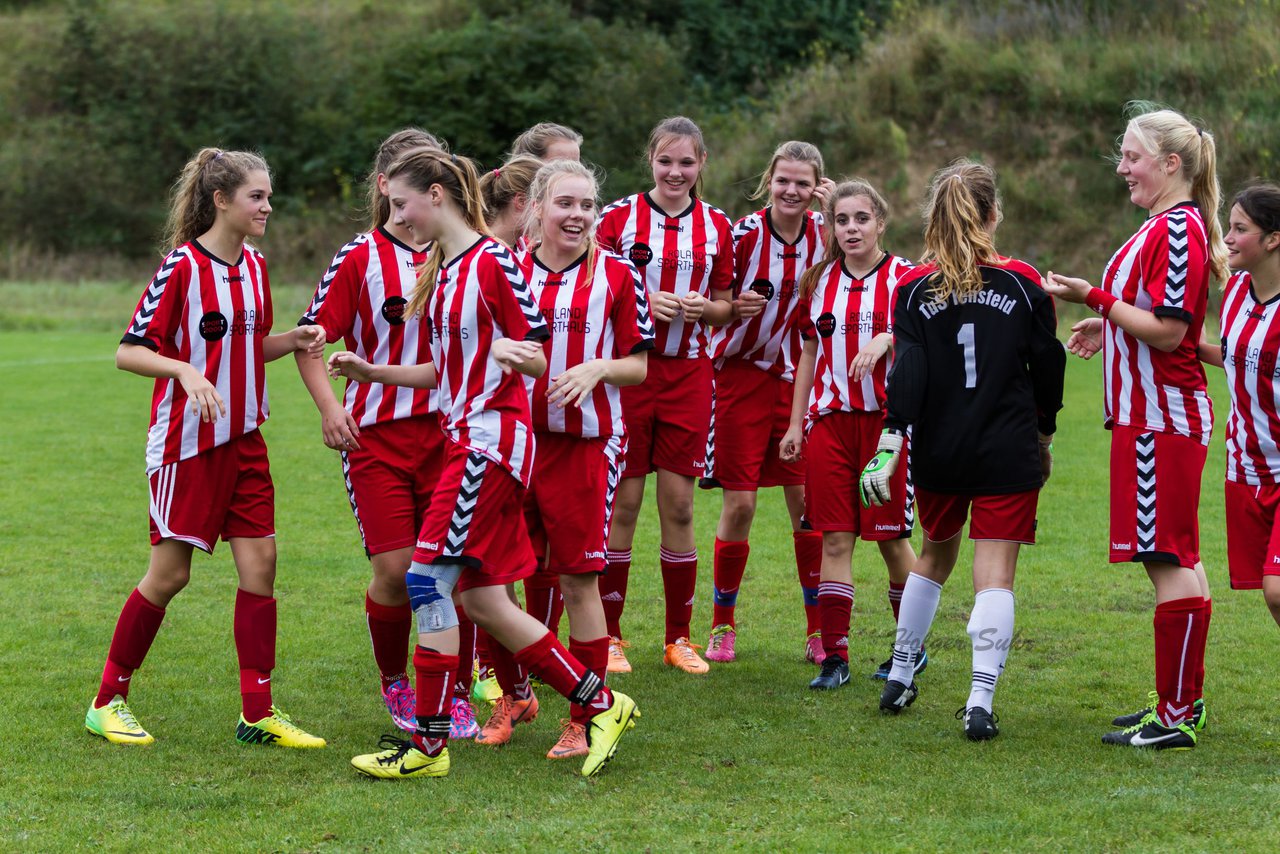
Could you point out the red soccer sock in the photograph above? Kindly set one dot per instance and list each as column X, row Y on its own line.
column 566, row 674
column 254, row 628
column 543, row 601
column 835, row 599
column 433, row 683
column 728, row 566
column 1179, row 641
column 512, row 675
column 136, row 629
column 1203, row 642
column 389, row 628
column 594, row 655
column 808, row 547
column 482, row 651
column 466, row 655
column 679, row 582
column 895, row 599
column 613, row 590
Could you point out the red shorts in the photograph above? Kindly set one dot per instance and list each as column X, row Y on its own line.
column 837, row 448
column 390, row 480
column 1155, row 497
column 224, row 492
column 474, row 519
column 668, row 416
column 1253, row 535
column 567, row 505
column 1010, row 517
column 750, row 413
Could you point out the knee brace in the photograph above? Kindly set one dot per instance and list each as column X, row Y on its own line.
column 431, row 595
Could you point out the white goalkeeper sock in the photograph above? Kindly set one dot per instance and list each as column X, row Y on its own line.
column 991, row 630
column 919, row 604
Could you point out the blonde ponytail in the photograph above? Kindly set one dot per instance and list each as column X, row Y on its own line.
column 962, row 201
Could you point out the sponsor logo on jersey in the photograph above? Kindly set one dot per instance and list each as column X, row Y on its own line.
column 640, row 254
column 763, row 287
column 787, row 253
column 213, row 325
column 679, row 229
column 1258, row 312
column 393, row 310
column 826, row 324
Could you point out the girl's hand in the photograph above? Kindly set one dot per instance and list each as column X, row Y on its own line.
column 748, row 304
column 310, row 338
column 508, row 354
column 1086, row 338
column 822, row 193
column 865, row 362
column 344, row 363
column 664, row 306
column 791, row 447
column 340, row 430
column 1064, row 287
column 693, row 304
column 575, row 385
column 202, row 396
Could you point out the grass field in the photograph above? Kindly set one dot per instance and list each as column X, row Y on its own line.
column 744, row 758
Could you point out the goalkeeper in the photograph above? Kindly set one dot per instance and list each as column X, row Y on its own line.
column 978, row 377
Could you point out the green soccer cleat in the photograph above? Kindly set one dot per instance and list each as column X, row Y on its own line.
column 278, row 729
column 116, row 723
column 401, row 759
column 1151, row 734
column 605, row 730
column 1199, row 716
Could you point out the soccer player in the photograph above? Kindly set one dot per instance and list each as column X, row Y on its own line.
column 201, row 329
column 484, row 324
column 1153, row 300
column 549, row 141
column 755, row 360
column 506, row 197
column 845, row 320
column 977, row 377
column 595, row 307
column 1251, row 342
column 389, row 439
column 683, row 248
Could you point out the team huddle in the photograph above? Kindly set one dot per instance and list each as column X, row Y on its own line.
column 518, row 360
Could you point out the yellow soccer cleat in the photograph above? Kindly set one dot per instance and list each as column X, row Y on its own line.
column 605, row 730
column 277, row 729
column 400, row 760
column 116, row 723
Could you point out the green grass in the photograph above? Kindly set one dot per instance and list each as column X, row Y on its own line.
column 745, row 758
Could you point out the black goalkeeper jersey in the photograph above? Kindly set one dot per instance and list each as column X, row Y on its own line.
column 975, row 379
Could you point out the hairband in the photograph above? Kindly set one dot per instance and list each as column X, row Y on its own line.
column 497, row 172
column 218, row 156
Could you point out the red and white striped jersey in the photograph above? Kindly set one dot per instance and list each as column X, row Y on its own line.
column 481, row 296
column 213, row 315
column 605, row 318
column 1250, row 345
column 844, row 313
column 770, row 266
column 1164, row 269
column 675, row 254
column 361, row 299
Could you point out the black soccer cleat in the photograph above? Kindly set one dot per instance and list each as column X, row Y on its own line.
column 882, row 672
column 834, row 673
column 979, row 724
column 1154, row 735
column 895, row 697
column 1199, row 717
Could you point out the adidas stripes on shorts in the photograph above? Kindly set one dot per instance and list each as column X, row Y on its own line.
column 476, row 519
column 1155, row 497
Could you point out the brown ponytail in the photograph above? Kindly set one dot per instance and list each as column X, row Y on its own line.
column 831, row 250
column 398, row 143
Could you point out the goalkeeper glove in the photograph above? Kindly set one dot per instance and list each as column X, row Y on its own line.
column 873, row 486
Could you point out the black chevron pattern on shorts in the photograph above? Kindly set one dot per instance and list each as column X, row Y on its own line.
column 322, row 289
column 519, row 284
column 1175, row 286
column 155, row 290
column 351, row 495
column 455, row 542
column 709, row 464
column 909, row 512
column 1146, row 486
column 614, row 474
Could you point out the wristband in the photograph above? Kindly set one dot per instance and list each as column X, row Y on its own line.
column 1100, row 301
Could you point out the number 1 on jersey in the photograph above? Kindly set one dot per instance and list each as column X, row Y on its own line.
column 965, row 339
